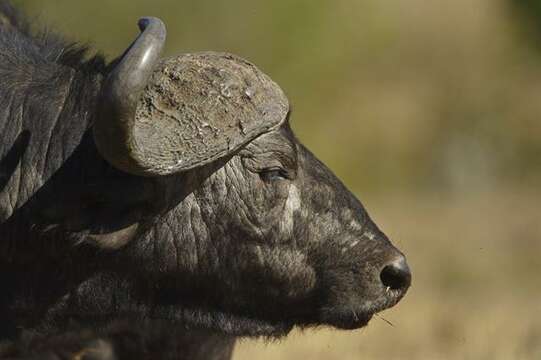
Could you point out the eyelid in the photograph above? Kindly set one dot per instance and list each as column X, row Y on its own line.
column 274, row 171
column 259, row 165
column 272, row 168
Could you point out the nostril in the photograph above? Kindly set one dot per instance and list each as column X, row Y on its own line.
column 396, row 275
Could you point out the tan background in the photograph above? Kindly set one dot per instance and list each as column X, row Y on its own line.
column 430, row 112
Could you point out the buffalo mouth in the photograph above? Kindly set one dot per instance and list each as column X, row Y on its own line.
column 344, row 315
column 355, row 315
column 234, row 323
column 346, row 320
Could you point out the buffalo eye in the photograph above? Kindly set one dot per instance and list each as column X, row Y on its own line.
column 273, row 174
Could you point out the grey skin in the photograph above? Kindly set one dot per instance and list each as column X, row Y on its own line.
column 170, row 197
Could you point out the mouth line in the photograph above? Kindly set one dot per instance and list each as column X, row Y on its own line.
column 359, row 321
column 348, row 320
column 350, row 317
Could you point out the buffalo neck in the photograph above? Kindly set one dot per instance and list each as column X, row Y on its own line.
column 43, row 123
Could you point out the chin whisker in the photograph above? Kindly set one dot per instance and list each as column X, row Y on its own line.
column 385, row 320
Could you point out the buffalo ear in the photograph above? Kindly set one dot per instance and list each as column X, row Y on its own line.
column 158, row 118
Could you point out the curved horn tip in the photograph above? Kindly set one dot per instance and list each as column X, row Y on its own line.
column 114, row 129
column 156, row 24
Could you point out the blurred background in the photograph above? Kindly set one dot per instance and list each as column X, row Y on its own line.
column 430, row 111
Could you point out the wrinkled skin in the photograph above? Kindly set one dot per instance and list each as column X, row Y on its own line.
column 269, row 226
column 277, row 228
column 252, row 244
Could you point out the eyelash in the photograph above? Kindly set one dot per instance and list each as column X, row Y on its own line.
column 273, row 174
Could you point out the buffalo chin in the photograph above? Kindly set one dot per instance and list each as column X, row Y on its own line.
column 198, row 320
column 225, row 323
column 346, row 321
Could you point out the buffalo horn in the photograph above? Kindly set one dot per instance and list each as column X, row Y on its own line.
column 114, row 129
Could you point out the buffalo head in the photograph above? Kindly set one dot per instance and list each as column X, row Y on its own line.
column 222, row 220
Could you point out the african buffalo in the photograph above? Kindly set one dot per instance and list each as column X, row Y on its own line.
column 170, row 194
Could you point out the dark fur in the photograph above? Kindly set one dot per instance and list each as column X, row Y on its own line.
column 119, row 341
column 233, row 248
